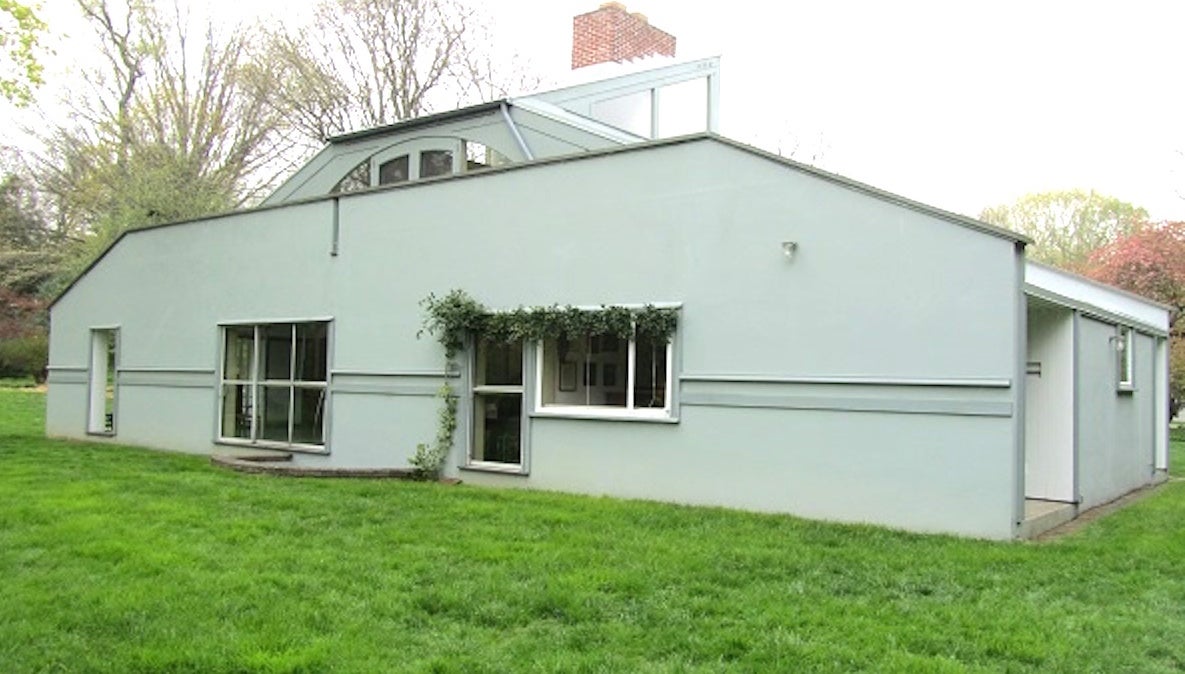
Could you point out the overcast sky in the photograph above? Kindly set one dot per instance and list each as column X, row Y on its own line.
column 957, row 104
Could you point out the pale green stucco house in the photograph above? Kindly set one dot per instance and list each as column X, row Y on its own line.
column 841, row 352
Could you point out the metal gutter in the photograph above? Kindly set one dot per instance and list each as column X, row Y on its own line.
column 429, row 120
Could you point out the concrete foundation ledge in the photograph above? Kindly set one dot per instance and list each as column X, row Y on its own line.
column 280, row 464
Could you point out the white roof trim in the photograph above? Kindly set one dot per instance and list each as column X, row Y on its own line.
column 558, row 114
column 583, row 94
column 1095, row 298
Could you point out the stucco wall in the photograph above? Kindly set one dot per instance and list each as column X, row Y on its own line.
column 887, row 344
column 1116, row 429
column 1049, row 400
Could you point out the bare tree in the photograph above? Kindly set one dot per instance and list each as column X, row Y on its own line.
column 195, row 108
column 366, row 63
column 173, row 124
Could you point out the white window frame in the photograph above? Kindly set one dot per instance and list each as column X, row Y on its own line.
column 495, row 389
column 629, row 412
column 1125, row 346
column 413, row 149
column 257, row 385
column 98, row 370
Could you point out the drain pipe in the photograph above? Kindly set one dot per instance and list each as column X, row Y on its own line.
column 518, row 137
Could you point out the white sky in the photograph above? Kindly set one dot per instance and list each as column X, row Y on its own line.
column 957, row 104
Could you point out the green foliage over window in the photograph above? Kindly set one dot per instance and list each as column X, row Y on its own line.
column 455, row 315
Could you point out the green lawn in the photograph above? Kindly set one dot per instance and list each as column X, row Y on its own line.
column 124, row 560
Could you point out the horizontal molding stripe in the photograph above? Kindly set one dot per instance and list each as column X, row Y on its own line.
column 973, row 408
column 66, row 368
column 67, row 377
column 440, row 374
column 362, row 389
column 164, row 384
column 858, row 381
column 165, row 370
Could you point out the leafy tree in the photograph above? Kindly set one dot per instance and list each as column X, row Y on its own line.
column 366, row 63
column 1151, row 262
column 20, row 36
column 30, row 256
column 1067, row 226
column 176, row 125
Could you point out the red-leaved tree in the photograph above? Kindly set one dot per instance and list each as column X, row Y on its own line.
column 1151, row 262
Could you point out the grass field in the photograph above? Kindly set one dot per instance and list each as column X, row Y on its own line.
column 123, row 560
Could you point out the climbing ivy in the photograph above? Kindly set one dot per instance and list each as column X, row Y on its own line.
column 456, row 315
column 451, row 317
column 429, row 458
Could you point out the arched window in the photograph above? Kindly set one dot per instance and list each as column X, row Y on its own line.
column 420, row 159
column 395, row 170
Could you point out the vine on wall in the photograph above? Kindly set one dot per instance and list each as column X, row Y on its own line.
column 452, row 317
column 456, row 315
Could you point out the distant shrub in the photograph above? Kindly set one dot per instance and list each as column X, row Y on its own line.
column 24, row 357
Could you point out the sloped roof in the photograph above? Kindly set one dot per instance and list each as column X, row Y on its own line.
column 954, row 218
column 1094, row 298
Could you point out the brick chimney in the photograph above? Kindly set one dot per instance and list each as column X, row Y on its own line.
column 611, row 33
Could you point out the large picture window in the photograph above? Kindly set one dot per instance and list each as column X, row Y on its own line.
column 274, row 383
column 604, row 375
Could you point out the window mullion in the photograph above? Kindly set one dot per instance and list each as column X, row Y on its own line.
column 291, row 380
column 254, row 383
column 630, row 366
column 668, row 391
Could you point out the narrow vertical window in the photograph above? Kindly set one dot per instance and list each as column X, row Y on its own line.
column 497, row 404
column 1124, row 357
column 103, row 362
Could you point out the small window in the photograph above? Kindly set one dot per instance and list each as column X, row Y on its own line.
column 436, row 163
column 357, row 179
column 274, row 383
column 479, row 157
column 394, row 171
column 1124, row 359
column 604, row 375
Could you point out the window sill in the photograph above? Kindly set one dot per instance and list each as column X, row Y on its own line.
column 500, row 468
column 604, row 414
column 274, row 446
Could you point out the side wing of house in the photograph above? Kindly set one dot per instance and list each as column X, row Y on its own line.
column 1097, row 421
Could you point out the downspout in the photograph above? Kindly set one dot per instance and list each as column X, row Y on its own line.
column 518, row 137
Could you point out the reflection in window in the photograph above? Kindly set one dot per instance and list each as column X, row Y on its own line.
column 606, row 372
column 273, row 387
column 436, row 163
column 1123, row 358
column 357, row 179
column 394, row 171
column 497, row 403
